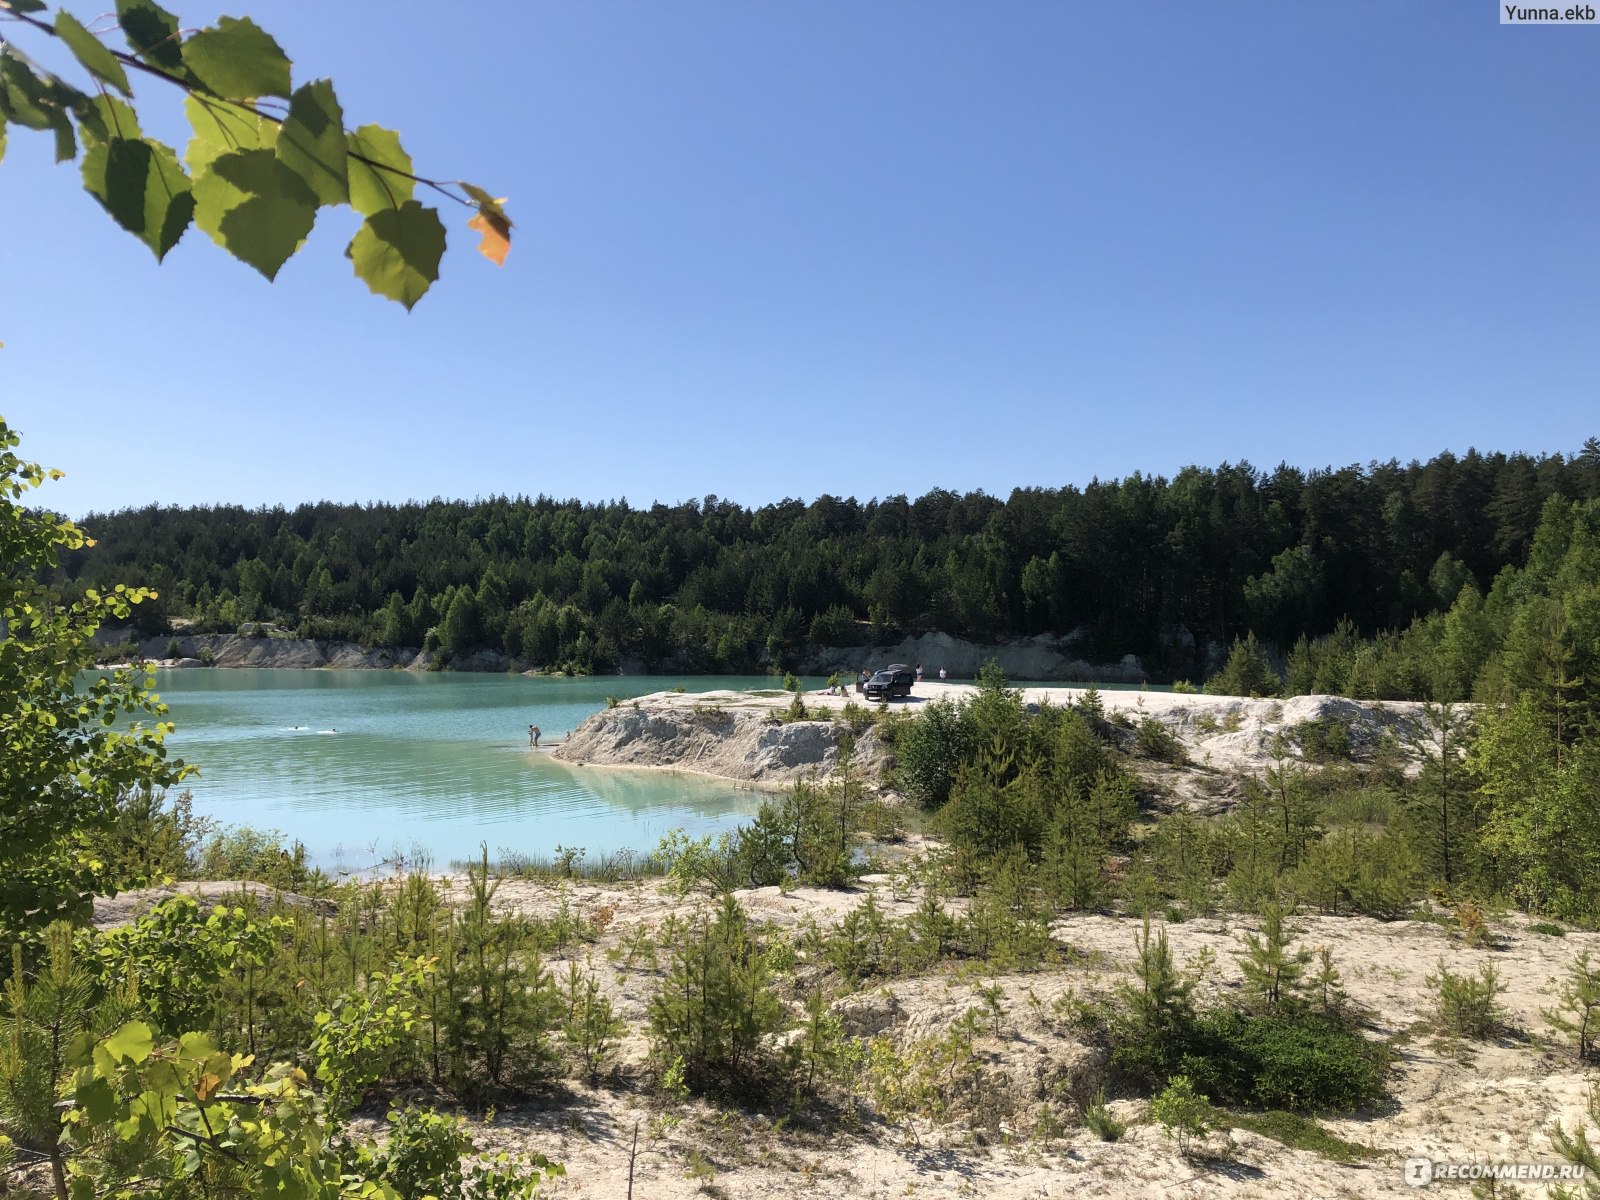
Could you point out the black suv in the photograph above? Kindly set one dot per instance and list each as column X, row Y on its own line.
column 890, row 682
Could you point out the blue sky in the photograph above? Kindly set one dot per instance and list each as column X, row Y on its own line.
column 770, row 250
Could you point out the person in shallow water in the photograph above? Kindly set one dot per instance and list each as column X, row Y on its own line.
column 533, row 736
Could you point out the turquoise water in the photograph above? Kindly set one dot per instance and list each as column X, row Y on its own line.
column 364, row 765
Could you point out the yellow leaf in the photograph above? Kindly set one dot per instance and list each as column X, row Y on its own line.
column 496, row 230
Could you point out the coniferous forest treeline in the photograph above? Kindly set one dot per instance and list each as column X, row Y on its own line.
column 1170, row 570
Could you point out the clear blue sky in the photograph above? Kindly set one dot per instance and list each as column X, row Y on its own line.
column 770, row 250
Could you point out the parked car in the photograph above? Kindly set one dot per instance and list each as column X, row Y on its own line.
column 892, row 681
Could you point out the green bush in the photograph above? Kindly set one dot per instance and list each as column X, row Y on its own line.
column 1097, row 1117
column 930, row 751
column 716, row 1007
column 1154, row 740
column 261, row 855
column 1299, row 1061
column 1303, row 1062
column 1301, row 1133
column 1324, row 739
column 1468, row 1006
column 1184, row 1114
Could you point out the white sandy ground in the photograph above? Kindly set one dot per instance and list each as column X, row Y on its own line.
column 1478, row 1102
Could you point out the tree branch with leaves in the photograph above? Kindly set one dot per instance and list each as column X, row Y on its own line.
column 264, row 158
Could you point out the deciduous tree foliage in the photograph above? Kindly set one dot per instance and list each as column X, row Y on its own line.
column 67, row 753
column 265, row 157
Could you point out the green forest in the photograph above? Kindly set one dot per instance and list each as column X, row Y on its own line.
column 1170, row 570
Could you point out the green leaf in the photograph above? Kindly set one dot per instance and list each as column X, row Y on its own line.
column 372, row 188
column 196, row 1046
column 80, row 1049
column 25, row 99
column 397, row 251
column 134, row 1040
column 220, row 127
column 152, row 33
column 98, row 1100
column 311, row 142
column 254, row 207
column 2, row 137
column 238, row 60
column 39, row 104
column 66, row 144
column 26, row 6
column 139, row 182
column 105, row 117
column 91, row 52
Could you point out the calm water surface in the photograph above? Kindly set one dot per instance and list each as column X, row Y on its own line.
column 361, row 765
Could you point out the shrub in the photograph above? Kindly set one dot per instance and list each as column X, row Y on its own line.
column 1324, row 739
column 854, row 717
column 1272, row 971
column 1185, row 1114
column 589, row 1022
column 930, row 751
column 716, row 1007
column 1097, row 1117
column 1578, row 1013
column 423, row 1158
column 1466, row 1006
column 1305, row 1062
column 499, row 1002
column 1300, row 1061
column 181, row 955
column 1184, row 688
column 261, row 855
column 154, row 837
column 1155, row 740
column 1350, row 871
column 1301, row 1133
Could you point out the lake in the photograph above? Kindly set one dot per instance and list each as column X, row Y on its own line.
column 364, row 765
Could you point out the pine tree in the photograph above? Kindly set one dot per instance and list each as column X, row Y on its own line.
column 1439, row 803
column 1272, row 971
column 1159, row 1002
column 717, row 1004
column 1578, row 1013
